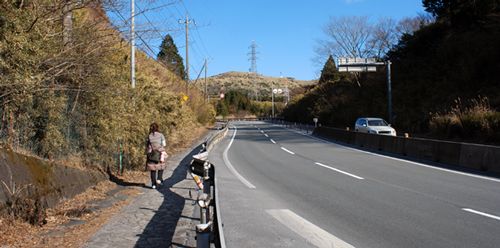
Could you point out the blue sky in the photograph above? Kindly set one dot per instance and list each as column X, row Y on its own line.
column 285, row 31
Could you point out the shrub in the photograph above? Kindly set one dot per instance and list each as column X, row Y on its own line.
column 475, row 122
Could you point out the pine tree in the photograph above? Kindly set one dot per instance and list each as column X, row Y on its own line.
column 169, row 55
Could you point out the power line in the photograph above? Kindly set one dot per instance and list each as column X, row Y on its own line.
column 140, row 37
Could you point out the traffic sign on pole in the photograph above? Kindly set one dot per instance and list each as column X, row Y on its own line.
column 367, row 65
column 184, row 98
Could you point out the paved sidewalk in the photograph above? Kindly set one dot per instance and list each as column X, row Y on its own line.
column 162, row 217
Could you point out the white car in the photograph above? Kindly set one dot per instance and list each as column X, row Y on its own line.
column 374, row 125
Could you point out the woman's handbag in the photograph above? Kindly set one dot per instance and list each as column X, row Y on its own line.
column 153, row 156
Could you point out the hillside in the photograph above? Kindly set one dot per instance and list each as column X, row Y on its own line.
column 243, row 82
column 72, row 102
column 444, row 81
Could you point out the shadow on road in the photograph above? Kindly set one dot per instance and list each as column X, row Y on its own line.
column 160, row 230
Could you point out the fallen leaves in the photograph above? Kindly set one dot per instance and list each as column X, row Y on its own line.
column 16, row 233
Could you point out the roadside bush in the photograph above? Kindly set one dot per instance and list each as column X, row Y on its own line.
column 62, row 102
column 474, row 122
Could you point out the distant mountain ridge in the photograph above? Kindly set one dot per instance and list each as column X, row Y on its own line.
column 244, row 82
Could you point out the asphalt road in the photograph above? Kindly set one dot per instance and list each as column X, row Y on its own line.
column 281, row 188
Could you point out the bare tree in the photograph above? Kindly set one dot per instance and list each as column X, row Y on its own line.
column 347, row 36
column 355, row 37
column 383, row 36
column 409, row 25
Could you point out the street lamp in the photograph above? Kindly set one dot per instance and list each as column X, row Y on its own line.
column 272, row 97
column 273, row 91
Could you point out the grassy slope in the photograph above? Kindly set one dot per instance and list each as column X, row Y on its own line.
column 243, row 82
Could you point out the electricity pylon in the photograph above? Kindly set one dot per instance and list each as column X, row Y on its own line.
column 253, row 69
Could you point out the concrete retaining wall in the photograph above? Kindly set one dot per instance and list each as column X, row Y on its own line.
column 54, row 181
column 473, row 156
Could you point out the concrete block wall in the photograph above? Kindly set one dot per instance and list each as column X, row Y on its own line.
column 473, row 156
column 55, row 182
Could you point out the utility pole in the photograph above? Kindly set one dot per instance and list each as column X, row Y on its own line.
column 187, row 49
column 132, row 43
column 287, row 93
column 206, row 85
column 253, row 69
column 67, row 25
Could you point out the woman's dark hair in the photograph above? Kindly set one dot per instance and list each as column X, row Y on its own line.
column 153, row 128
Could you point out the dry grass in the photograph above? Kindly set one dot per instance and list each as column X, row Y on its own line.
column 243, row 81
column 16, row 233
column 475, row 121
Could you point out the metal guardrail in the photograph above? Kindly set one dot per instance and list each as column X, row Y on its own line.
column 212, row 140
column 273, row 120
column 209, row 231
column 250, row 119
column 301, row 127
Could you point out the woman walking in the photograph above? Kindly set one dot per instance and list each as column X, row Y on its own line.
column 156, row 142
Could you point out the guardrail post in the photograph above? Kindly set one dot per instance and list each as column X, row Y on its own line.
column 206, row 191
column 203, row 232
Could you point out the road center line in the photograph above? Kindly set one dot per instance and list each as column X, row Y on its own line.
column 337, row 170
column 481, row 213
column 286, row 150
column 307, row 230
column 266, row 135
column 274, row 142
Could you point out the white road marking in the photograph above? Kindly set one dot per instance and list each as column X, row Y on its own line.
column 286, row 150
column 266, row 135
column 481, row 213
column 410, row 162
column 230, row 166
column 261, row 131
column 274, row 142
column 341, row 171
column 312, row 233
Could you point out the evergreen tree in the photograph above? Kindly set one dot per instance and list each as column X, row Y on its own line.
column 222, row 109
column 330, row 73
column 169, row 55
column 463, row 13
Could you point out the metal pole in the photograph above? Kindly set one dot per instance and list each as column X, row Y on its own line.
column 389, row 89
column 187, row 54
column 206, row 87
column 272, row 97
column 132, row 43
column 203, row 235
column 206, row 189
